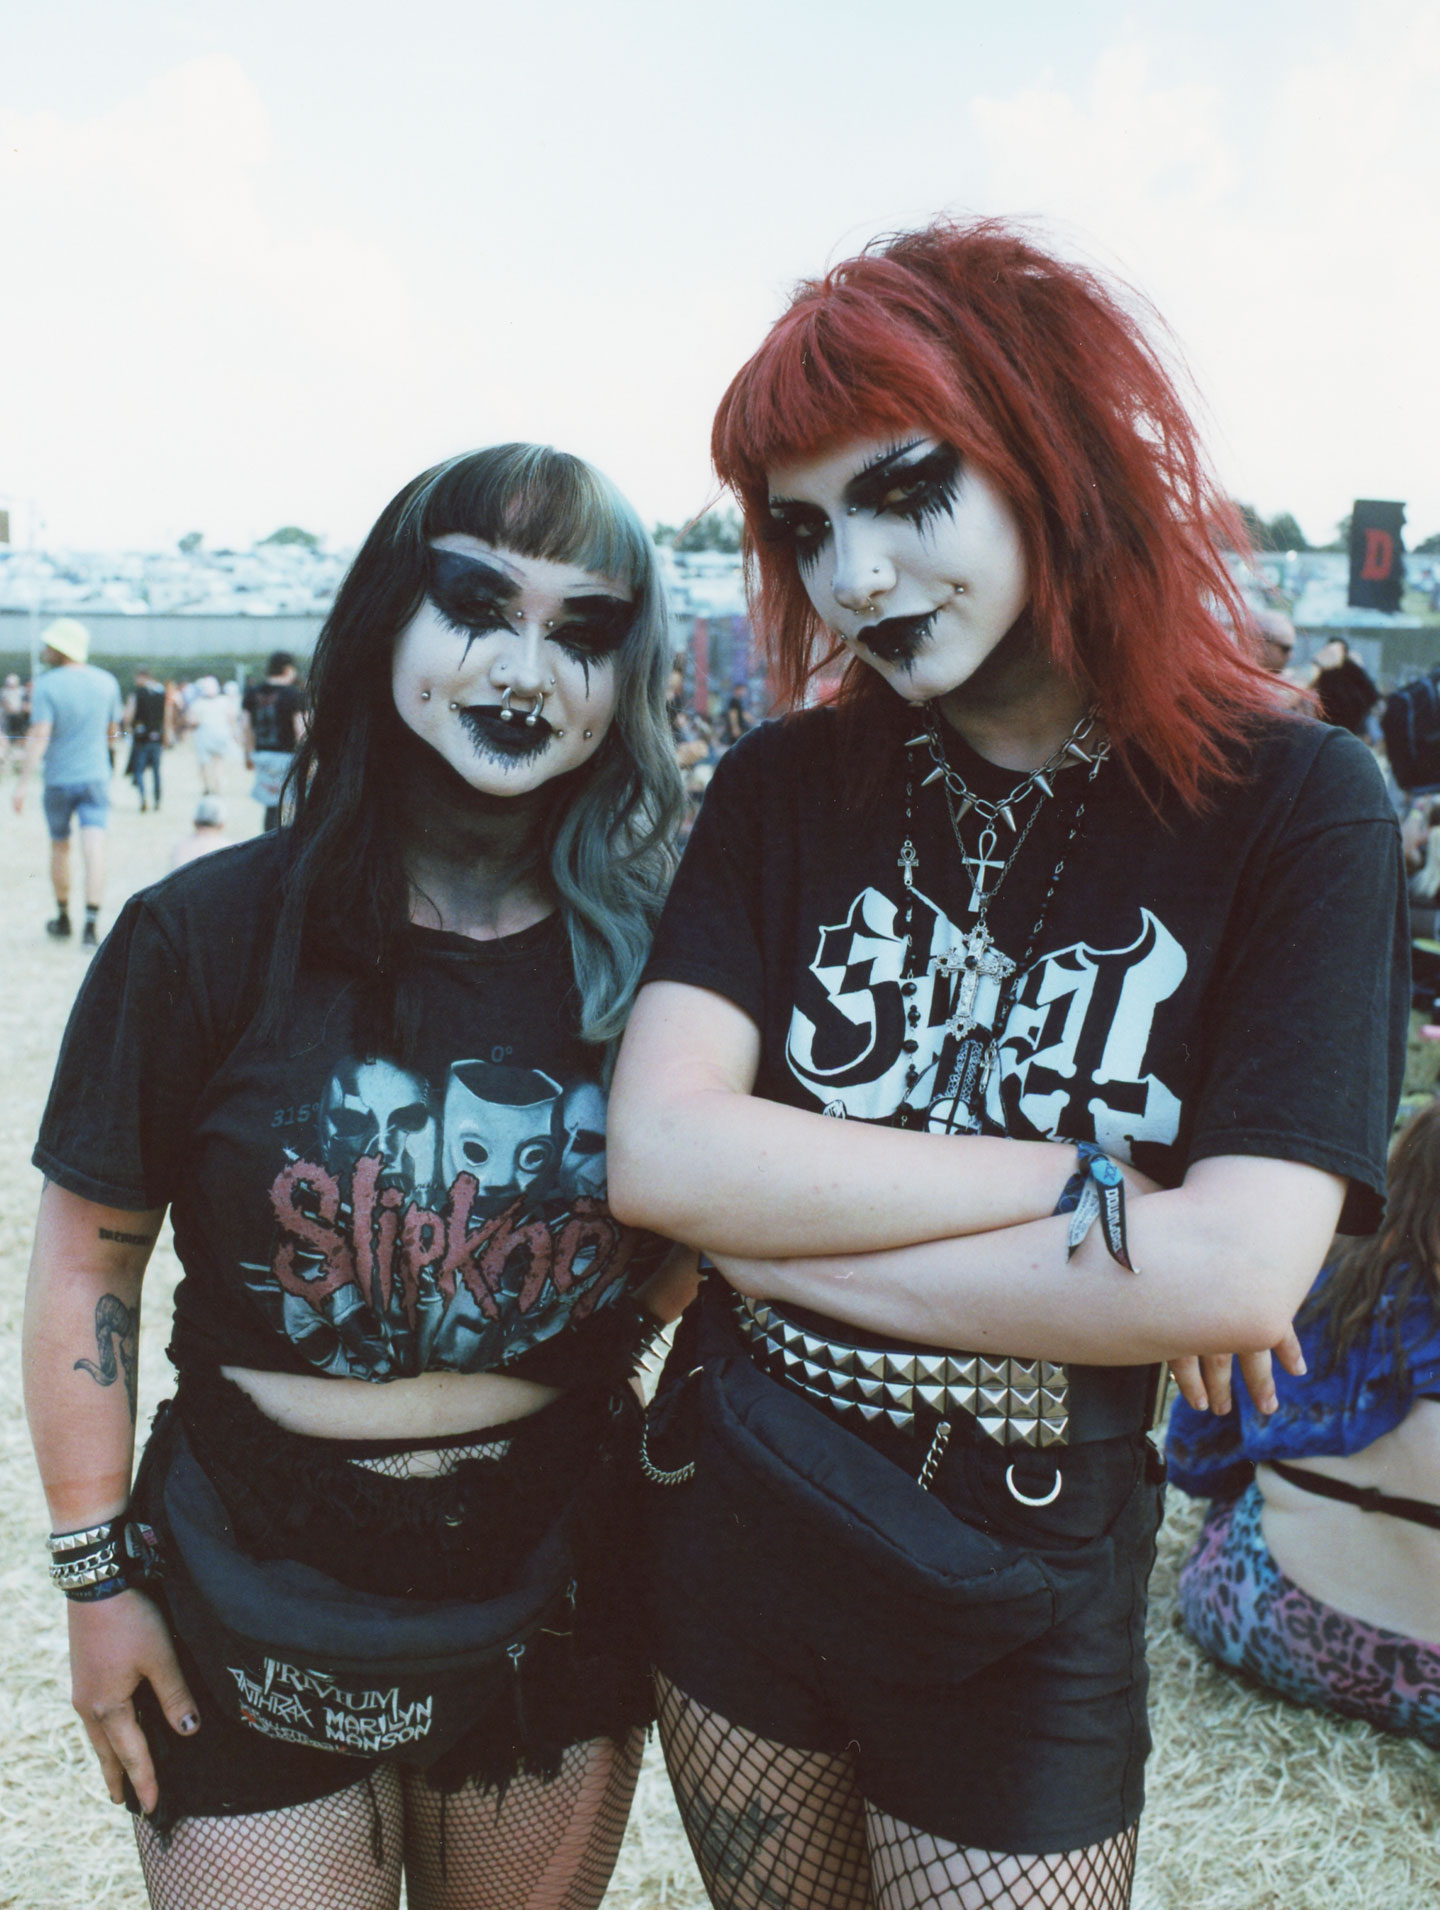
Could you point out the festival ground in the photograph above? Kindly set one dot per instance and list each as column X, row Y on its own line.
column 1254, row 1805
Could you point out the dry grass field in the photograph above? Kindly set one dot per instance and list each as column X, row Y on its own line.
column 1253, row 1805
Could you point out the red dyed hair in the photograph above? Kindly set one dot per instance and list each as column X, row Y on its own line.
column 1034, row 370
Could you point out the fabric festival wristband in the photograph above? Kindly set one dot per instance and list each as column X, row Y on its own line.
column 1096, row 1188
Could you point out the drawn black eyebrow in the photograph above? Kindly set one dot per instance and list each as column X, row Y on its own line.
column 447, row 566
column 863, row 481
column 861, row 477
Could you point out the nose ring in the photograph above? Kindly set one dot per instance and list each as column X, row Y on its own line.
column 507, row 714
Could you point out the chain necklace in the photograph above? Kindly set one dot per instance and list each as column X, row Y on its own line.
column 966, row 1059
column 1079, row 746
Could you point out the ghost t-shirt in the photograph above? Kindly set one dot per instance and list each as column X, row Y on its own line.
column 1168, row 984
column 337, row 1211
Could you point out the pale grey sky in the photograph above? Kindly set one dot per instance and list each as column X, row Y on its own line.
column 259, row 265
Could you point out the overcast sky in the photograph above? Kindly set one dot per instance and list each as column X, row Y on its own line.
column 261, row 263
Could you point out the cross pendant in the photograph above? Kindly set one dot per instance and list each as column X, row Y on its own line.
column 980, row 865
column 976, row 958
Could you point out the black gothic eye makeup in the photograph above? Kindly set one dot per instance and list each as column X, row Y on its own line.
column 594, row 627
column 801, row 526
column 898, row 640
column 470, row 594
column 915, row 488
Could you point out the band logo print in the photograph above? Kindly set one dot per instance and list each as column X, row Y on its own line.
column 1072, row 1055
column 301, row 1706
column 449, row 1230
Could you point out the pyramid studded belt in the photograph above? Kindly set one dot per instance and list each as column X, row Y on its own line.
column 1013, row 1401
column 1016, row 1402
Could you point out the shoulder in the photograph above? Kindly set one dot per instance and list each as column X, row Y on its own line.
column 1320, row 776
column 215, row 895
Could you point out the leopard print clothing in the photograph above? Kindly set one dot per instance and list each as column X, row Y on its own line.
column 1240, row 1608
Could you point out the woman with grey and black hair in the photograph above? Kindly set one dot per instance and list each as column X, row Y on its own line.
column 367, row 1609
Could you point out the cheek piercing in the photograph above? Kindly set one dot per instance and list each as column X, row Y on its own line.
column 454, row 706
column 424, row 696
column 588, row 735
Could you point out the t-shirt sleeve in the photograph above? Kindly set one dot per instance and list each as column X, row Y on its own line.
column 42, row 709
column 131, row 1068
column 1311, row 998
column 710, row 933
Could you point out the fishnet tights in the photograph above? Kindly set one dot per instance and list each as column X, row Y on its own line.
column 785, row 1829
column 545, row 1845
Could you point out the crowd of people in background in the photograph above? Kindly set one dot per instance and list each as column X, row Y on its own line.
column 73, row 721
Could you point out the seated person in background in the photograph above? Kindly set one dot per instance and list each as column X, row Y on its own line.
column 209, row 833
column 1318, row 1567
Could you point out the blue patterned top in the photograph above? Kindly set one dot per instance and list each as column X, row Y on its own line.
column 1334, row 1409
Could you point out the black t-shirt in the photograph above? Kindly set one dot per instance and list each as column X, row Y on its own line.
column 335, row 1212
column 149, row 724
column 1233, row 983
column 272, row 709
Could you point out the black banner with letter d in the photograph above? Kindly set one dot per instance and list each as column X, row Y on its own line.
column 1377, row 557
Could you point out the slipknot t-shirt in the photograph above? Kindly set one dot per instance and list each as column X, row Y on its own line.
column 335, row 1211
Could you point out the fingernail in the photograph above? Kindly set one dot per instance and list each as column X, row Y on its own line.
column 1300, row 1366
column 189, row 1723
column 1202, row 1404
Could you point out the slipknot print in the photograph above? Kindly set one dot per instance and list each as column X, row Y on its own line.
column 440, row 1230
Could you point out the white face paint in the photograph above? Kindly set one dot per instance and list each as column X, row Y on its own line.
column 499, row 1125
column 913, row 559
column 499, row 632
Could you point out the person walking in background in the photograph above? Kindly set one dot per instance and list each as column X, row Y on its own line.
column 14, row 719
column 212, row 729
column 145, row 718
column 74, row 718
column 1275, row 634
column 209, row 833
column 274, row 722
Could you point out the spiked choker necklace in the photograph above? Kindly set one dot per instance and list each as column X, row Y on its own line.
column 967, row 1051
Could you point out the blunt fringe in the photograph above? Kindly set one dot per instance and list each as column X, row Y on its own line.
column 1403, row 1259
column 1041, row 374
column 607, row 839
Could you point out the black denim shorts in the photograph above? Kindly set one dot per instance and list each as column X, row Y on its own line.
column 1016, row 1724
column 460, row 1534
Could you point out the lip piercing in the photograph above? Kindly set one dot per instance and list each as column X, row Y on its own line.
column 507, row 714
column 559, row 736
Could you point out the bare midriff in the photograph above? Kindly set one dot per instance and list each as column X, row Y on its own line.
column 429, row 1405
column 1377, row 1568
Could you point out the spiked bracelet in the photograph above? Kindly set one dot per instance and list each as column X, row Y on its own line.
column 1096, row 1190
column 100, row 1560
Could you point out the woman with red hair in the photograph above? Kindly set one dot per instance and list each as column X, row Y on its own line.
column 1050, row 875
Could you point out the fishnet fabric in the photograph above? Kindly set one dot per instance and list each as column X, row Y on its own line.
column 429, row 1463
column 773, row 1826
column 546, row 1844
column 911, row 1869
column 770, row 1826
column 323, row 1853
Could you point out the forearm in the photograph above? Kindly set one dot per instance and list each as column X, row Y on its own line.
column 732, row 1173
column 35, row 745
column 82, row 1315
column 1224, row 1262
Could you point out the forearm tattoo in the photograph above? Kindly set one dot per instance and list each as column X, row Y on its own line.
column 117, row 1342
column 127, row 1240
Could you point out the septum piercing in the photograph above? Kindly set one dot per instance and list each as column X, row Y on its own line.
column 507, row 714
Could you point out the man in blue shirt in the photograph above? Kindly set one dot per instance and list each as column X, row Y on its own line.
column 74, row 718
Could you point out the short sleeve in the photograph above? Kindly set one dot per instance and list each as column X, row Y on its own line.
column 1312, row 994
column 710, row 933
column 42, row 709
column 130, row 1073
